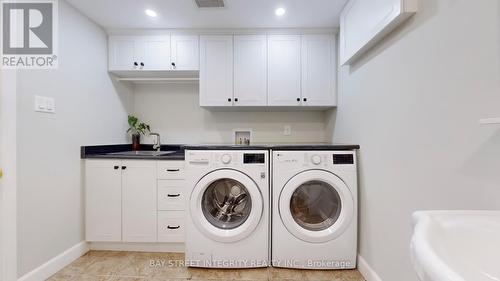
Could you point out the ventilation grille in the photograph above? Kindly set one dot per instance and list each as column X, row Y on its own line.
column 210, row 3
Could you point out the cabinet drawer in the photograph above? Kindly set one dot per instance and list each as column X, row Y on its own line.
column 171, row 170
column 171, row 198
column 171, row 226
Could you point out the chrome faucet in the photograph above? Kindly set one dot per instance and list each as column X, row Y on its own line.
column 157, row 144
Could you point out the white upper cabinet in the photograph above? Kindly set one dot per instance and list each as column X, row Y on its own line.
column 318, row 70
column 185, row 52
column 139, row 53
column 216, row 70
column 284, row 70
column 124, row 53
column 155, row 52
column 139, row 201
column 250, row 70
column 363, row 23
column 103, row 211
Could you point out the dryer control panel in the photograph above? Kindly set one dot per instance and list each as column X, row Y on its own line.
column 315, row 159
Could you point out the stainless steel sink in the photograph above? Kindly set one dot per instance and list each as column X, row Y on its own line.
column 142, row 153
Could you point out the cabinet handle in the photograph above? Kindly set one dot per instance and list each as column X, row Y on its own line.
column 236, row 99
column 173, row 65
column 173, row 227
column 298, row 99
column 124, row 167
column 135, row 63
column 305, row 99
column 229, row 100
column 142, row 65
column 173, row 195
column 173, row 170
column 116, row 167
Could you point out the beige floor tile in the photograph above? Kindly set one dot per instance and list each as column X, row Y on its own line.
column 140, row 266
column 314, row 275
column 108, row 264
column 228, row 274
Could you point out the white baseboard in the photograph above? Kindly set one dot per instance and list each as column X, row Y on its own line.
column 368, row 273
column 57, row 263
column 138, row 247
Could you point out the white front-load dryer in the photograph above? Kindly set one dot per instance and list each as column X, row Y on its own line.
column 228, row 209
column 314, row 209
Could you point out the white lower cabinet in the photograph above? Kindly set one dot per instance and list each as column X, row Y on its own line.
column 134, row 201
column 103, row 211
column 139, row 201
column 171, row 226
column 171, row 195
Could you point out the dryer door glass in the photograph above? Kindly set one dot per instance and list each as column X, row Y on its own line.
column 226, row 203
column 315, row 205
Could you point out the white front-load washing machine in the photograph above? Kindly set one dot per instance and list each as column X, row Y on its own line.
column 228, row 209
column 314, row 209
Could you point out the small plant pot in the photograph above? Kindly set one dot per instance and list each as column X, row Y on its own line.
column 136, row 142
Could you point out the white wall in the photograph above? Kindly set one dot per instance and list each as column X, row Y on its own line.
column 8, row 189
column 413, row 104
column 173, row 111
column 89, row 111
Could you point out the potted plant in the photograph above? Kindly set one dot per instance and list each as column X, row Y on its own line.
column 137, row 129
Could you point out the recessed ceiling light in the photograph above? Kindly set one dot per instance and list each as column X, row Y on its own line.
column 280, row 12
column 151, row 13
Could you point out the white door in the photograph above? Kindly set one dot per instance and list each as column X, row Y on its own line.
column 185, row 52
column 216, row 70
column 226, row 205
column 155, row 52
column 250, row 70
column 139, row 201
column 318, row 70
column 103, row 206
column 316, row 206
column 284, row 70
column 123, row 53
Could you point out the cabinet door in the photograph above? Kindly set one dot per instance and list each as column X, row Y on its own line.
column 250, row 70
column 318, row 70
column 216, row 70
column 284, row 70
column 185, row 52
column 103, row 202
column 363, row 23
column 123, row 53
column 155, row 52
column 139, row 201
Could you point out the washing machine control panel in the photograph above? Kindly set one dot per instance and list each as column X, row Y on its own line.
column 316, row 159
column 237, row 159
column 226, row 158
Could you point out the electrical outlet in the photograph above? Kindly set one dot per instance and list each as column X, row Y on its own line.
column 288, row 130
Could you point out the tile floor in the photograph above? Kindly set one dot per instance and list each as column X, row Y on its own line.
column 132, row 266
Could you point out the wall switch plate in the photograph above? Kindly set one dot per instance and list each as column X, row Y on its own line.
column 288, row 130
column 45, row 104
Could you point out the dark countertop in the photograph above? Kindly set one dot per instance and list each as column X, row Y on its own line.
column 104, row 151
column 288, row 146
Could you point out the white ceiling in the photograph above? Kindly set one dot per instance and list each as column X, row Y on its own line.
column 118, row 14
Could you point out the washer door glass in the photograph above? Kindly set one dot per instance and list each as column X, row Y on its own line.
column 315, row 205
column 226, row 203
